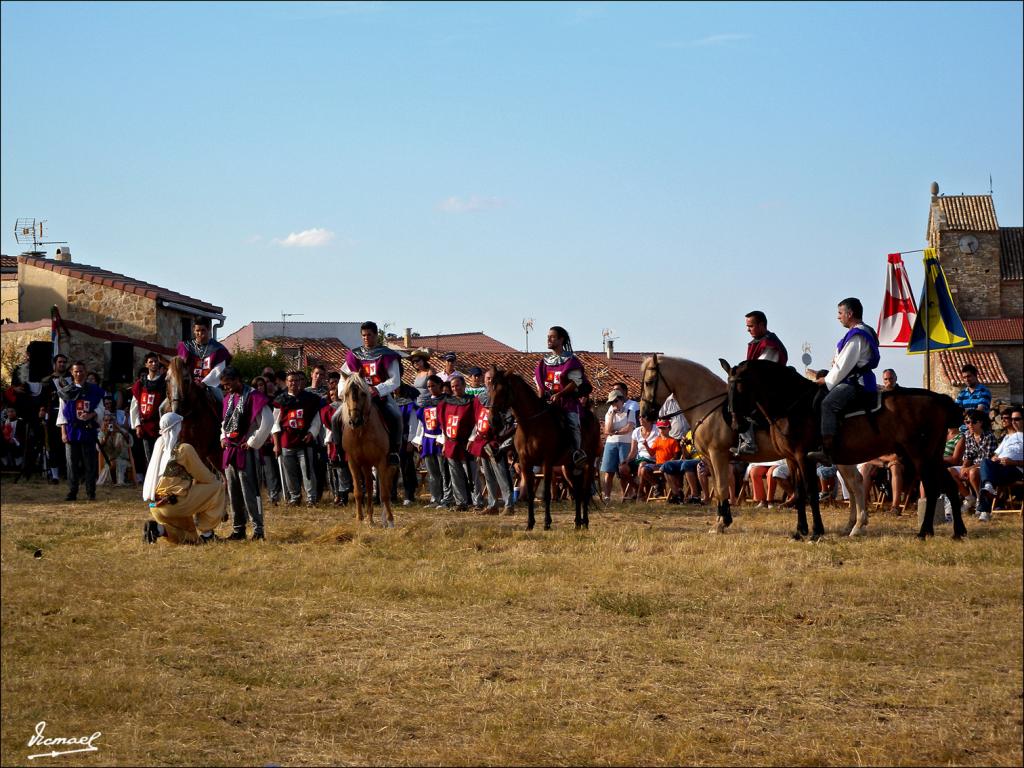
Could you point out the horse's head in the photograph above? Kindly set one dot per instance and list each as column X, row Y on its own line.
column 758, row 383
column 654, row 391
column 355, row 398
column 498, row 391
column 179, row 384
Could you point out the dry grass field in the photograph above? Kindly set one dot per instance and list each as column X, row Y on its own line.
column 460, row 639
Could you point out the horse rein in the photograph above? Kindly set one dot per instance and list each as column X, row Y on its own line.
column 659, row 378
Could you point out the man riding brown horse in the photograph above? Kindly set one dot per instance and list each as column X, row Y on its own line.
column 379, row 367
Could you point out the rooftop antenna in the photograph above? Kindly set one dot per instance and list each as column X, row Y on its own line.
column 528, row 326
column 990, row 185
column 286, row 315
column 33, row 231
column 607, row 336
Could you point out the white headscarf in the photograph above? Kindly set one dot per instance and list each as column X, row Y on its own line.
column 163, row 448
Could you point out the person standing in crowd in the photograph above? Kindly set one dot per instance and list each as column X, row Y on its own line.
column 618, row 431
column 975, row 396
column 270, row 463
column 247, row 421
column 763, row 345
column 339, row 479
column 79, row 421
column 429, row 437
column 186, row 499
column 420, row 360
column 448, row 360
column 455, row 414
column 296, row 427
column 53, row 391
column 148, row 394
column 405, row 399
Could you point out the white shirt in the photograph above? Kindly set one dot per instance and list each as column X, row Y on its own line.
column 644, row 446
column 614, row 421
column 1011, row 447
column 680, row 426
column 856, row 352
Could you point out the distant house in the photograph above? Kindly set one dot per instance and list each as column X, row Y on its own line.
column 251, row 334
column 984, row 266
column 95, row 305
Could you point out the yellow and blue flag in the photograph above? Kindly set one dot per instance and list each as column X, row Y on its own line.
column 945, row 328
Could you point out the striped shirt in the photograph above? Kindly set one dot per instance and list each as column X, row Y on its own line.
column 969, row 400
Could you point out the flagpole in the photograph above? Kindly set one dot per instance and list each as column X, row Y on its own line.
column 927, row 334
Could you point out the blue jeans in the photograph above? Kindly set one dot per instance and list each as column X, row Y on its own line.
column 997, row 474
column 680, row 466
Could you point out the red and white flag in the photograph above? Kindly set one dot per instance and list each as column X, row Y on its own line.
column 899, row 310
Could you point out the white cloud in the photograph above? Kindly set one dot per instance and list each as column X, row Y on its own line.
column 253, row 239
column 710, row 40
column 309, row 238
column 470, row 204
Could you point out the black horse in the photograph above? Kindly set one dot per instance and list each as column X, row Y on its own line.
column 911, row 423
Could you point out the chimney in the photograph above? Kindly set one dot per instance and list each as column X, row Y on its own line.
column 62, row 254
column 935, row 189
column 609, row 348
column 408, row 338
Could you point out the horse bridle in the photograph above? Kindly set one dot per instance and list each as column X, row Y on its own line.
column 654, row 398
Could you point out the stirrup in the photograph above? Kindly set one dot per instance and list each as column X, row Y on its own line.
column 393, row 460
column 579, row 458
column 745, row 447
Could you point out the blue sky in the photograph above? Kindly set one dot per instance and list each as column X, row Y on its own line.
column 655, row 169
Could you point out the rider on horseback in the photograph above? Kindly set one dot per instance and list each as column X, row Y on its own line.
column 380, row 368
column 764, row 345
column 852, row 373
column 561, row 380
column 205, row 359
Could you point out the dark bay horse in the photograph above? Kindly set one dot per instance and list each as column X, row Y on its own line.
column 542, row 440
column 912, row 423
column 702, row 396
column 200, row 421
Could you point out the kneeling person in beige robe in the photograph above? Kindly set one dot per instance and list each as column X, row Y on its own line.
column 187, row 500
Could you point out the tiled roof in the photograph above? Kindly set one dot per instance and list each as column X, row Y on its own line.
column 116, row 281
column 598, row 368
column 8, row 263
column 330, row 352
column 996, row 329
column 990, row 370
column 629, row 363
column 476, row 341
column 969, row 213
column 1011, row 248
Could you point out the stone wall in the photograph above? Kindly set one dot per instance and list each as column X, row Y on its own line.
column 1011, row 298
column 9, row 300
column 112, row 309
column 169, row 326
column 973, row 278
column 1012, row 359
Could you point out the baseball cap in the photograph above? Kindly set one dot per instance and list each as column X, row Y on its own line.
column 474, row 371
column 614, row 395
column 663, row 423
column 448, row 356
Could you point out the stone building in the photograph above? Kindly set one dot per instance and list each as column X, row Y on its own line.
column 96, row 306
column 984, row 266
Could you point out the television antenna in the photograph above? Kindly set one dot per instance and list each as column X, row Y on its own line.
column 33, row 231
column 528, row 326
column 285, row 315
column 607, row 334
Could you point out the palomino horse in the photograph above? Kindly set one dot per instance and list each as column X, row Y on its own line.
column 702, row 396
column 542, row 440
column 200, row 422
column 364, row 439
column 911, row 423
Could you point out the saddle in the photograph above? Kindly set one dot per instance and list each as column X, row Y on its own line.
column 865, row 403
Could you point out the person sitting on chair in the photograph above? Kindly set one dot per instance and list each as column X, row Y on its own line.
column 186, row 499
column 764, row 345
column 852, row 372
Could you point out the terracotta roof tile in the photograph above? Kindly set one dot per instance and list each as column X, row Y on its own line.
column 990, row 370
column 475, row 341
column 996, row 329
column 8, row 263
column 969, row 213
column 1011, row 257
column 330, row 352
column 117, row 280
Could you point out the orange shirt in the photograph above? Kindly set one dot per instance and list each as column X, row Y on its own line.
column 665, row 449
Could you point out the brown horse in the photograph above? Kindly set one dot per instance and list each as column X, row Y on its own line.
column 542, row 440
column 702, row 396
column 364, row 439
column 911, row 423
column 200, row 420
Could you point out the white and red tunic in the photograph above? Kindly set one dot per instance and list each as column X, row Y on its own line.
column 205, row 363
column 147, row 396
column 378, row 366
column 456, row 417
